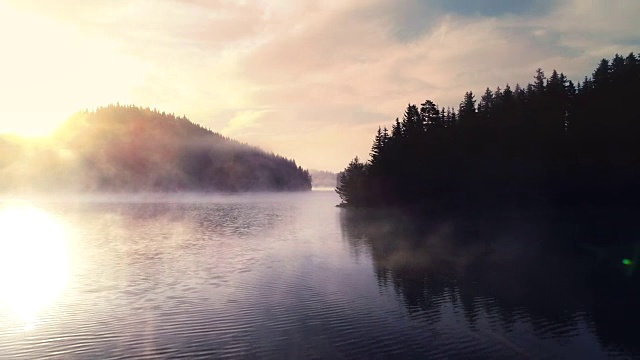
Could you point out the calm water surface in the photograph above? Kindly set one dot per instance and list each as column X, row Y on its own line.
column 292, row 276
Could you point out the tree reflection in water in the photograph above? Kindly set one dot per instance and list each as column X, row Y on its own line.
column 512, row 268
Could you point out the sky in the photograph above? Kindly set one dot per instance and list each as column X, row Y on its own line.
column 309, row 80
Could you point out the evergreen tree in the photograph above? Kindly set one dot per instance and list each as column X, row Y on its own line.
column 601, row 76
column 413, row 124
column 378, row 145
column 486, row 104
column 431, row 115
column 351, row 184
column 467, row 110
column 538, row 85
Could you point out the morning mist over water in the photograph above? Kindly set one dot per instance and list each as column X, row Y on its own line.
column 291, row 275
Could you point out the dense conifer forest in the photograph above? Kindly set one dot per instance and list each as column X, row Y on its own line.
column 548, row 143
column 127, row 148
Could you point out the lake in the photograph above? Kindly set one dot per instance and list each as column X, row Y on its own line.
column 292, row 276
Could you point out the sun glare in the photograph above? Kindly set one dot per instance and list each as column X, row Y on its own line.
column 51, row 69
column 33, row 262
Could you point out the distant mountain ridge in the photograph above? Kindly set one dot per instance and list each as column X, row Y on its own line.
column 128, row 148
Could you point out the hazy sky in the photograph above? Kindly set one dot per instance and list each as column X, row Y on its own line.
column 310, row 80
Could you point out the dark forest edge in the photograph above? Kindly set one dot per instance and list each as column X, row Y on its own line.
column 130, row 149
column 550, row 144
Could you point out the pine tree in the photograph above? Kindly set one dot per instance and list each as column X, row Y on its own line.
column 377, row 147
column 601, row 76
column 467, row 110
column 397, row 132
column 485, row 104
column 351, row 184
column 431, row 115
column 412, row 122
column 538, row 85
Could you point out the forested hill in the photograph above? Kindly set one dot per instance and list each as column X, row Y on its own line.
column 549, row 143
column 127, row 148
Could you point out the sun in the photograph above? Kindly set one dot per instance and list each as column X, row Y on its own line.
column 34, row 263
column 51, row 68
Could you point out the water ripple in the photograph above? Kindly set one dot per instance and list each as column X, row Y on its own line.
column 270, row 278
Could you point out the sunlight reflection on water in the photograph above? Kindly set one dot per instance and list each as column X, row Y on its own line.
column 293, row 276
column 33, row 262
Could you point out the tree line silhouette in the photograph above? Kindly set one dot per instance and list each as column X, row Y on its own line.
column 128, row 148
column 549, row 143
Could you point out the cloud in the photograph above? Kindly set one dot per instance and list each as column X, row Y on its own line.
column 496, row 8
column 313, row 80
column 242, row 121
column 597, row 28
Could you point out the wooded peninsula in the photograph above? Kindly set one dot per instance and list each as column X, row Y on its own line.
column 550, row 143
